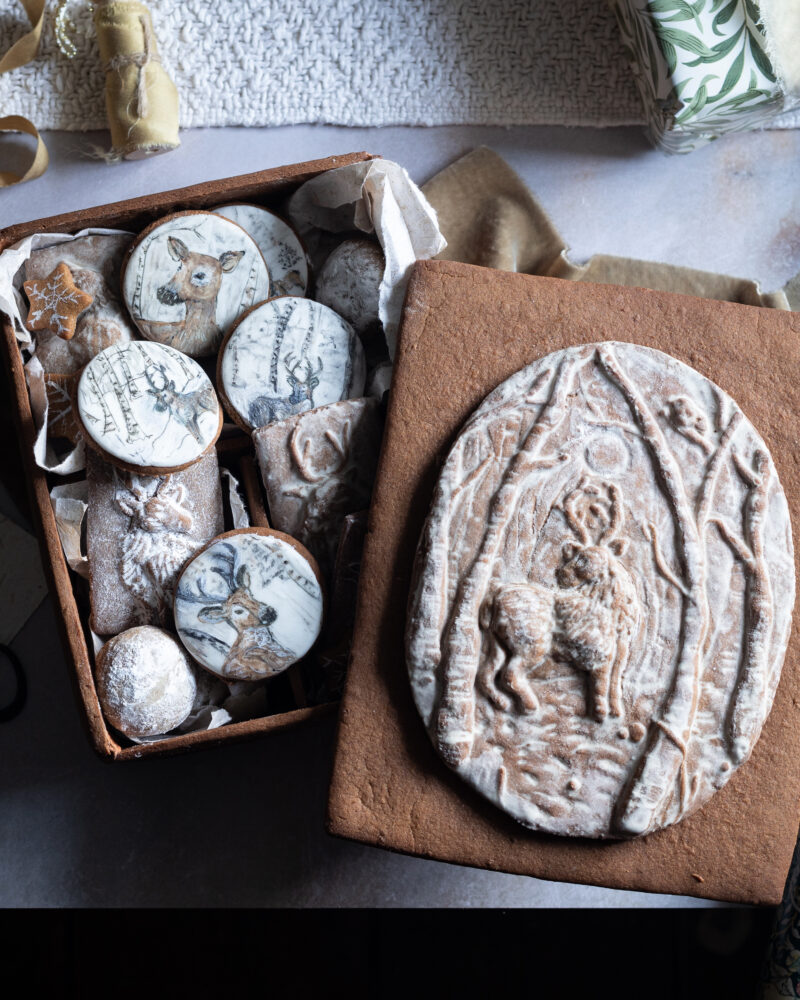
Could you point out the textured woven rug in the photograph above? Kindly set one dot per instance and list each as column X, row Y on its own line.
column 348, row 62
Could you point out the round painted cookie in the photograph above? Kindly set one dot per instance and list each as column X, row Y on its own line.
column 249, row 604
column 603, row 593
column 189, row 276
column 350, row 282
column 279, row 244
column 287, row 356
column 145, row 682
column 147, row 407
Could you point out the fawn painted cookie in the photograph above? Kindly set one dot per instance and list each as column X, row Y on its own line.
column 603, row 593
column 279, row 244
column 249, row 604
column 189, row 276
column 147, row 407
column 146, row 683
column 56, row 302
column 287, row 356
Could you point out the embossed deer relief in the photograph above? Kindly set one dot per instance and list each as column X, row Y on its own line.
column 195, row 284
column 156, row 544
column 587, row 621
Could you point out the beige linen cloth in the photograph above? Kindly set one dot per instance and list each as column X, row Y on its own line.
column 489, row 217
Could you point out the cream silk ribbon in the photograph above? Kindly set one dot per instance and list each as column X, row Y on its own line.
column 20, row 53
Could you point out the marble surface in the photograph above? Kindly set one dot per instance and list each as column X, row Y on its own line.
column 243, row 825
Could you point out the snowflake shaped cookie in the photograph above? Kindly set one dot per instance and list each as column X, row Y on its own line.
column 56, row 302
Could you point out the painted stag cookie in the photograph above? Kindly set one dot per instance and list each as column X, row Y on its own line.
column 349, row 282
column 56, row 302
column 147, row 407
column 140, row 530
column 95, row 263
column 279, row 244
column 189, row 276
column 249, row 604
column 317, row 467
column 145, row 682
column 287, row 356
column 603, row 593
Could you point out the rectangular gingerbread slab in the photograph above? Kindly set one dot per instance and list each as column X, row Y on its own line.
column 465, row 330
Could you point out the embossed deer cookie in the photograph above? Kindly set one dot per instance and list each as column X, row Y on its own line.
column 249, row 604
column 287, row 356
column 603, row 593
column 318, row 467
column 140, row 530
column 148, row 408
column 280, row 246
column 189, row 276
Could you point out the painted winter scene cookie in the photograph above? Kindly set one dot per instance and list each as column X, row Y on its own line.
column 148, row 407
column 287, row 356
column 280, row 246
column 94, row 262
column 249, row 604
column 603, row 593
column 349, row 282
column 189, row 276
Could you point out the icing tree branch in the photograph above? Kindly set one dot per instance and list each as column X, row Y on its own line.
column 461, row 646
column 749, row 698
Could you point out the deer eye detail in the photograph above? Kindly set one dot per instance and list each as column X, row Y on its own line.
column 199, row 278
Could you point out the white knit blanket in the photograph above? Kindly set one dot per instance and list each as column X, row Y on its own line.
column 348, row 62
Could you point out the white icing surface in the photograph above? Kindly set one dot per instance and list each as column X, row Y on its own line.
column 279, row 245
column 145, row 682
column 248, row 606
column 288, row 356
column 603, row 593
column 148, row 405
column 190, row 278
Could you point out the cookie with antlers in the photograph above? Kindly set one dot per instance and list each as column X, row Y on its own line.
column 287, row 356
column 317, row 467
column 249, row 604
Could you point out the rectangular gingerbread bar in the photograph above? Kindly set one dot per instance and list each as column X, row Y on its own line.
column 466, row 330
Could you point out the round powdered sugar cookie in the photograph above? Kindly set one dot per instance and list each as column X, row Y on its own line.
column 350, row 282
column 189, row 276
column 286, row 356
column 603, row 593
column 145, row 682
column 147, row 407
column 249, row 604
column 284, row 253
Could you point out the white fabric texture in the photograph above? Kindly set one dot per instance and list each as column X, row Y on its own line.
column 348, row 62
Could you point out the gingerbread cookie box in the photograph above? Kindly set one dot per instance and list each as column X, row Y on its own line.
column 467, row 329
column 269, row 187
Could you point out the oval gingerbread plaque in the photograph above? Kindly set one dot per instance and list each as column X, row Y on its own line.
column 603, row 593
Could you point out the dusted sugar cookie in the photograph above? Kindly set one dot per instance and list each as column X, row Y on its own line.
column 61, row 421
column 280, row 246
column 189, row 276
column 140, row 530
column 147, row 407
column 249, row 605
column 95, row 263
column 56, row 302
column 349, row 282
column 287, row 356
column 603, row 593
column 145, row 682
column 318, row 467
